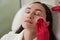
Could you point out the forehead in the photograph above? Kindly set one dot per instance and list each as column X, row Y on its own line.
column 36, row 6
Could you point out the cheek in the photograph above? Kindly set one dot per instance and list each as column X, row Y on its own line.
column 38, row 17
column 35, row 21
column 23, row 17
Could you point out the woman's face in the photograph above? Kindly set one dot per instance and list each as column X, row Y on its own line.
column 32, row 13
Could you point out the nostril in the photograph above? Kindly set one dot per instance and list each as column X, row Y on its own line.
column 31, row 17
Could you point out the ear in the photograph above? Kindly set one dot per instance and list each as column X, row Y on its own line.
column 48, row 23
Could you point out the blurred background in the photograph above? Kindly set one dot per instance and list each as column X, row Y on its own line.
column 8, row 8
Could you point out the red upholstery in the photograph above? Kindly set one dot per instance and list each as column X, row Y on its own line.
column 56, row 8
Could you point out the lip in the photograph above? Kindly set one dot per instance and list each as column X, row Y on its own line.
column 28, row 21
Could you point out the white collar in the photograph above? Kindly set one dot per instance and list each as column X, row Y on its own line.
column 20, row 36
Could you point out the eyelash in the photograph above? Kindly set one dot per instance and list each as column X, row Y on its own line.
column 27, row 12
column 37, row 14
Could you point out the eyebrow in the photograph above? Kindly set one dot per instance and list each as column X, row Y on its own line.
column 28, row 8
column 38, row 10
column 35, row 9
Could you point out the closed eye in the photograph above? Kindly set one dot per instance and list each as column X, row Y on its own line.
column 27, row 11
column 37, row 13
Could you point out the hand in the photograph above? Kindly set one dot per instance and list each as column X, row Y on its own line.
column 42, row 31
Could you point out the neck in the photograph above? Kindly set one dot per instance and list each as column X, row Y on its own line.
column 29, row 35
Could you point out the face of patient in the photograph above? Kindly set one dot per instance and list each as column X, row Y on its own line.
column 32, row 13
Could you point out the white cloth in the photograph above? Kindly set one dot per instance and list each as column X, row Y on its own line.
column 13, row 36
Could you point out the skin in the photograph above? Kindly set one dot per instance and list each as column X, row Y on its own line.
column 32, row 13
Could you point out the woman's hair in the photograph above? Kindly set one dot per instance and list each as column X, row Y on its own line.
column 48, row 18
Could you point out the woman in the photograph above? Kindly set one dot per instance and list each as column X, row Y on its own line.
column 27, row 29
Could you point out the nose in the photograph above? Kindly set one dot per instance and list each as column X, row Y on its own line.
column 30, row 15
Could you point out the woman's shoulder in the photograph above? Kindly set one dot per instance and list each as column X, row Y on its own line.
column 9, row 36
column 12, row 35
